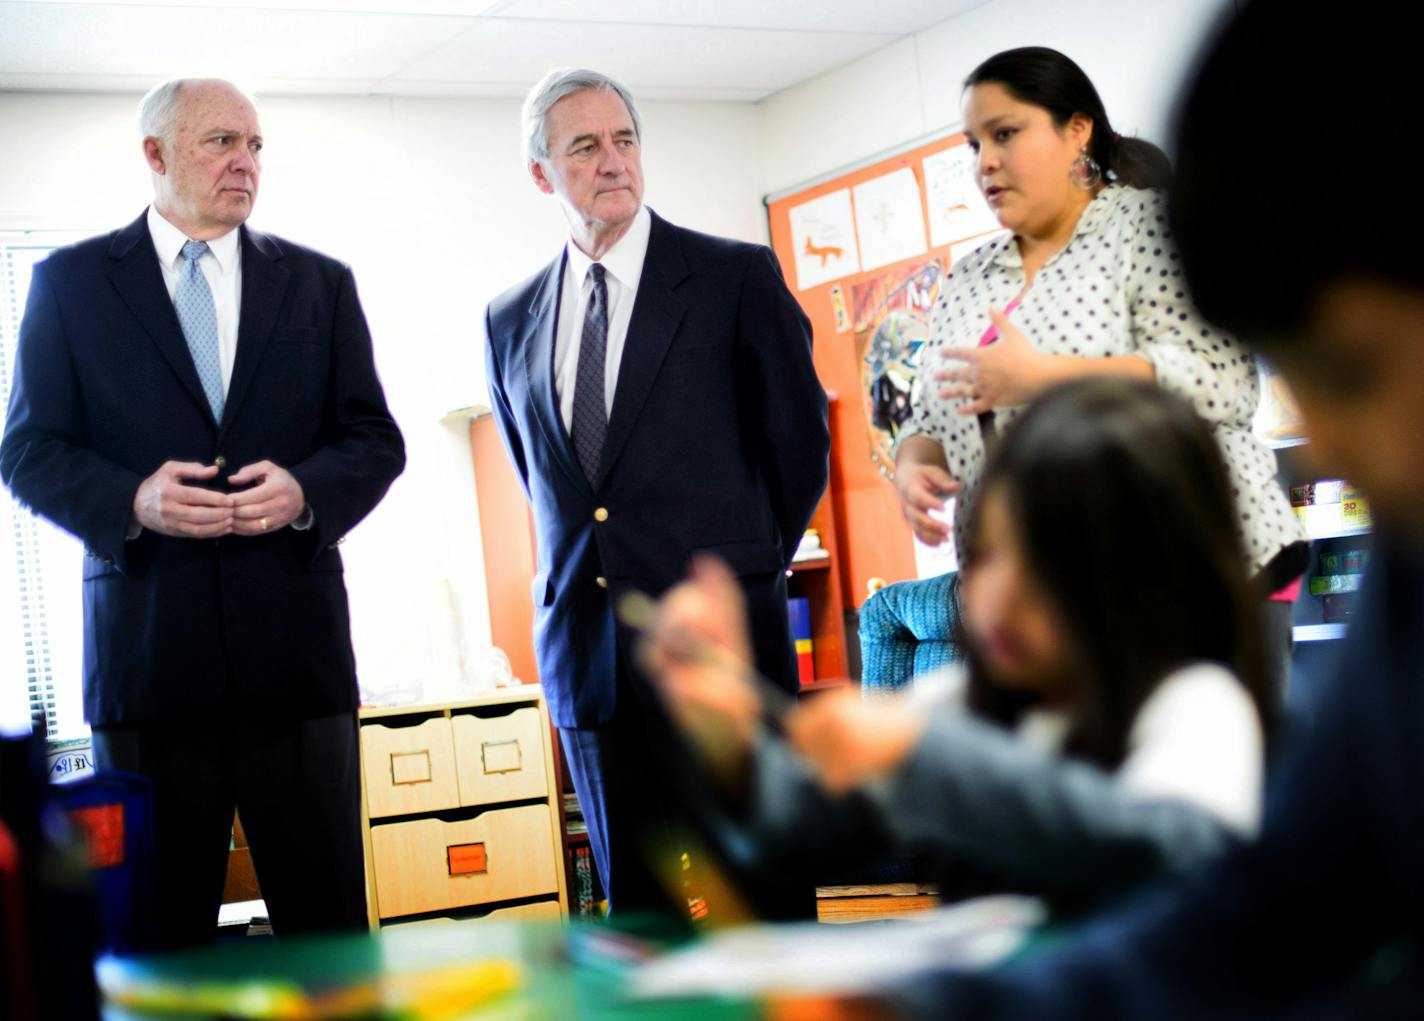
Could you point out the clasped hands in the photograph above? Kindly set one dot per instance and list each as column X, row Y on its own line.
column 698, row 653
column 166, row 504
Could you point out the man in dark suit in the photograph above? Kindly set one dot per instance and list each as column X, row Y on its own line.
column 655, row 390
column 198, row 403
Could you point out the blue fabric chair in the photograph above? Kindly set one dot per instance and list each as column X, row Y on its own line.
column 906, row 629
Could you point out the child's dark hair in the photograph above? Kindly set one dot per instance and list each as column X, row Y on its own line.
column 1270, row 204
column 1048, row 79
column 1119, row 494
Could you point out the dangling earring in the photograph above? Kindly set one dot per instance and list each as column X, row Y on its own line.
column 1085, row 172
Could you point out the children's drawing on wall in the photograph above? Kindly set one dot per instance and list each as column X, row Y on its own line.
column 823, row 232
column 891, row 315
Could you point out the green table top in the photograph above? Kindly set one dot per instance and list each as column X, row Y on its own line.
column 477, row 969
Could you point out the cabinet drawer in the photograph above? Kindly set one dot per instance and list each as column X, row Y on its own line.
column 409, row 769
column 430, row 865
column 500, row 758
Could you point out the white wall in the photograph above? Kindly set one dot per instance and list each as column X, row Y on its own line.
column 1135, row 51
column 428, row 200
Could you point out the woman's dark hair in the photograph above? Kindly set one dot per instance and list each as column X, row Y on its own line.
column 1119, row 494
column 1271, row 204
column 1046, row 78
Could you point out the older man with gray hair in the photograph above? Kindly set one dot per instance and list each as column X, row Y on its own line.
column 197, row 402
column 655, row 390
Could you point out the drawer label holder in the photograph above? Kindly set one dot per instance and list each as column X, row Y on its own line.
column 410, row 767
column 502, row 756
column 467, row 859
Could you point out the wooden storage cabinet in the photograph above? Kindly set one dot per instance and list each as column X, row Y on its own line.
column 460, row 809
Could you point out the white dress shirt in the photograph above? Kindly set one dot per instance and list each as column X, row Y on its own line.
column 221, row 265
column 623, row 268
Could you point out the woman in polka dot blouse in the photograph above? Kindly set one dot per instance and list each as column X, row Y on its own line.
column 1087, row 282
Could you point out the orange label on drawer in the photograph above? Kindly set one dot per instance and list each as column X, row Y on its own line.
column 410, row 767
column 466, row 859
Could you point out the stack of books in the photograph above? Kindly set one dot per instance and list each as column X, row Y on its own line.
column 799, row 610
column 573, row 815
column 583, row 901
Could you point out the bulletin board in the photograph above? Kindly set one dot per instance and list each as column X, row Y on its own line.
column 865, row 252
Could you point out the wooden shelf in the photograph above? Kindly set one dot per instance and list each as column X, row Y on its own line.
column 819, row 582
column 1340, row 533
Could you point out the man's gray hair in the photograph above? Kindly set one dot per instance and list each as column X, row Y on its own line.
column 556, row 85
column 159, row 109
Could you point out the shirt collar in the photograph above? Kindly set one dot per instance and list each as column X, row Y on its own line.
column 624, row 261
column 168, row 241
column 1089, row 222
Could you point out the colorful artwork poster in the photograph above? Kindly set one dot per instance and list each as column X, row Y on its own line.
column 892, row 319
column 956, row 206
column 823, row 231
column 889, row 219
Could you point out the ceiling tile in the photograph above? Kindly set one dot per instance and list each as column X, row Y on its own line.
column 496, row 50
column 893, row 17
column 154, row 42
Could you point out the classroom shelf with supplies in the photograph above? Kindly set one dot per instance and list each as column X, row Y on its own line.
column 1337, row 520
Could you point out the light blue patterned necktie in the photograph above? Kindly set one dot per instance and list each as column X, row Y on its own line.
column 199, row 318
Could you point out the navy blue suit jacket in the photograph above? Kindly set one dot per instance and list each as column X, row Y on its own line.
column 717, row 441
column 1321, row 917
column 105, row 391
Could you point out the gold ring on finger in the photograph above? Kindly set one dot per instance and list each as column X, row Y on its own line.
column 263, row 524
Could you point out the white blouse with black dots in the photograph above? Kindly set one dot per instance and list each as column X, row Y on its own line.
column 1115, row 289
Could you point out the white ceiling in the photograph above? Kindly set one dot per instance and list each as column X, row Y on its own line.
column 737, row 50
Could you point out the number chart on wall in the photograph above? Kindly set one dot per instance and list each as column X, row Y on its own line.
column 865, row 253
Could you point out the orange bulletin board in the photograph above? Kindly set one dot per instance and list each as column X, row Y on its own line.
column 865, row 252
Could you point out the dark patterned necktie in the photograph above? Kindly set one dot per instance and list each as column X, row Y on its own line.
column 590, row 419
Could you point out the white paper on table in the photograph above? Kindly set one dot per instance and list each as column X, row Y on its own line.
column 823, row 235
column 809, row 957
column 889, row 219
column 957, row 208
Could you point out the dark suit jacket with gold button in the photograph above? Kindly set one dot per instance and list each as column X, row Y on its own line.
column 104, row 392
column 717, row 441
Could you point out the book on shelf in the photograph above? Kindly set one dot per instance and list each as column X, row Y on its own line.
column 799, row 611
column 585, row 904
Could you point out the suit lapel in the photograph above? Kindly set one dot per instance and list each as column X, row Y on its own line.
column 657, row 313
column 538, row 344
column 264, row 280
column 135, row 274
